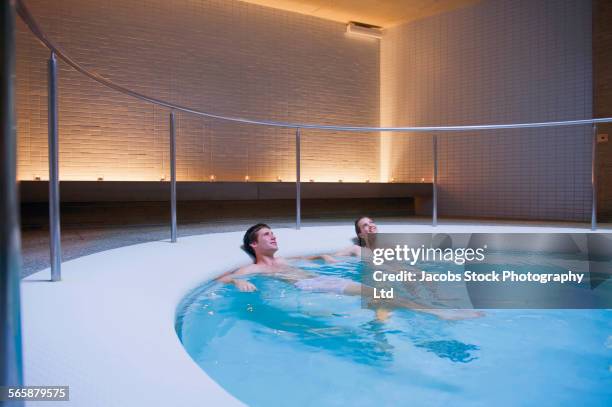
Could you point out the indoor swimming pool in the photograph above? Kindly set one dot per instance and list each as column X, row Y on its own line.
column 280, row 345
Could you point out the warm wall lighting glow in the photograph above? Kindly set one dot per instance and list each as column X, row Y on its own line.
column 422, row 179
column 393, row 179
column 329, row 173
column 340, row 171
column 320, row 175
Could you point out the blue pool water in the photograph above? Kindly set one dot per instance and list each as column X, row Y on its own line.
column 281, row 346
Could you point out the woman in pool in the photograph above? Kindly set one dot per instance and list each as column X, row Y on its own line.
column 260, row 242
column 364, row 226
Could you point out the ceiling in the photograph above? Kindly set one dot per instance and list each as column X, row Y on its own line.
column 384, row 13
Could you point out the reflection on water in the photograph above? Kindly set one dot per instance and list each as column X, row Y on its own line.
column 451, row 349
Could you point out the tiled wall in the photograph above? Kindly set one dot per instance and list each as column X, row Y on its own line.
column 602, row 101
column 226, row 57
column 500, row 61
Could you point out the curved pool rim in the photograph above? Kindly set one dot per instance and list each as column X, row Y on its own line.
column 108, row 329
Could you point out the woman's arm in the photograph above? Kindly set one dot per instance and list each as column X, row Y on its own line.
column 325, row 257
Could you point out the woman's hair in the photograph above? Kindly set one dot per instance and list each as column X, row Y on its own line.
column 357, row 231
column 360, row 240
column 251, row 236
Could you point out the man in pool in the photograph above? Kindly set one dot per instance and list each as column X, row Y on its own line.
column 260, row 242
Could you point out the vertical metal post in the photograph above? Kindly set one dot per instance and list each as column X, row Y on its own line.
column 298, row 209
column 172, row 178
column 54, row 198
column 11, row 370
column 593, row 180
column 434, row 219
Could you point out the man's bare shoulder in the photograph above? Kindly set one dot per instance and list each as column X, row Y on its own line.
column 257, row 268
column 281, row 260
column 250, row 269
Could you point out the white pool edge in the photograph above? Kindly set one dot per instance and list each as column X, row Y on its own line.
column 107, row 329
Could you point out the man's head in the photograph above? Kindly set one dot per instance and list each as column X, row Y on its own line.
column 364, row 225
column 259, row 238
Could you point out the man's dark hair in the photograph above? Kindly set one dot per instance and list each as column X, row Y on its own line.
column 251, row 236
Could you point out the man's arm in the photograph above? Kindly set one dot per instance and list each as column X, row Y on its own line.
column 231, row 278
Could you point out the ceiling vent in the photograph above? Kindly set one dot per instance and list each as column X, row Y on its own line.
column 364, row 30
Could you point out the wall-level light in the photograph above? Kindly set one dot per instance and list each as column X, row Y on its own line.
column 278, row 179
column 212, row 178
column 246, row 178
column 163, row 178
column 422, row 179
column 393, row 179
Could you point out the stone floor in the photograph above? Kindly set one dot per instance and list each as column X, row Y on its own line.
column 94, row 227
column 87, row 230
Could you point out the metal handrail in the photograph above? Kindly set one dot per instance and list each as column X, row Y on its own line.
column 27, row 17
column 29, row 20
